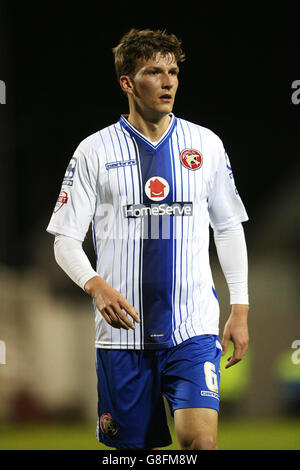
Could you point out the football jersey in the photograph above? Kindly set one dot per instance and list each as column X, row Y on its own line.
column 151, row 205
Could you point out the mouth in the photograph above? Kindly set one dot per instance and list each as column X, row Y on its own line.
column 166, row 97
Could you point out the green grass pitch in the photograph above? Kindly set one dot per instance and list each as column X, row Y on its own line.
column 276, row 434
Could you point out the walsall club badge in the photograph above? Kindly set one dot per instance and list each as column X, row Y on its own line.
column 108, row 424
column 191, row 159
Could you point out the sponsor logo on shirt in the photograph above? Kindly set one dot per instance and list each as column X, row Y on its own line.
column 206, row 393
column 173, row 209
column 110, row 166
column 62, row 199
column 191, row 159
column 157, row 188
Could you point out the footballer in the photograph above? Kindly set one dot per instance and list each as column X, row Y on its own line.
column 151, row 185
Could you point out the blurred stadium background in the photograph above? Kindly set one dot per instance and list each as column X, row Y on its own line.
column 48, row 394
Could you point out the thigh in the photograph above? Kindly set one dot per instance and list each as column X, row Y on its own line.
column 191, row 376
column 131, row 412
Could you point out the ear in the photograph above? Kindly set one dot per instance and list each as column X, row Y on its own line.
column 126, row 84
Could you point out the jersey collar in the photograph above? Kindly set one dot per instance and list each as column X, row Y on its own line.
column 135, row 133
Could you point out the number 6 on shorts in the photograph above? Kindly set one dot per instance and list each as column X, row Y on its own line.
column 211, row 377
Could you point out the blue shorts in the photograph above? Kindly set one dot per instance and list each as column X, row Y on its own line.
column 132, row 383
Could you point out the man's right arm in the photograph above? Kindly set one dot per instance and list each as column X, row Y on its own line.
column 111, row 303
column 71, row 257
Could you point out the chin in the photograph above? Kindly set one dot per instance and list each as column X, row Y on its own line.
column 165, row 108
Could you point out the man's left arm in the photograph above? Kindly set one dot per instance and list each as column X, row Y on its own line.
column 232, row 254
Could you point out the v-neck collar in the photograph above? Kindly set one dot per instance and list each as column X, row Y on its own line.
column 135, row 133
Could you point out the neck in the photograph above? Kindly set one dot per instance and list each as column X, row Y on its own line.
column 152, row 129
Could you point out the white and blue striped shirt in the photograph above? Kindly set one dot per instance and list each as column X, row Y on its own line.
column 151, row 206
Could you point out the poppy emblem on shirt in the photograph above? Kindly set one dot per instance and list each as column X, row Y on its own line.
column 191, row 159
column 157, row 188
column 62, row 199
column 108, row 424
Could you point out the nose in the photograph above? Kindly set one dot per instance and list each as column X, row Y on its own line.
column 167, row 83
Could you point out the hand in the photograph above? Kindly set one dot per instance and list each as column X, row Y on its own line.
column 236, row 330
column 110, row 303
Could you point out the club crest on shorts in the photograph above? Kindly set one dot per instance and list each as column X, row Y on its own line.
column 191, row 159
column 62, row 199
column 157, row 188
column 108, row 424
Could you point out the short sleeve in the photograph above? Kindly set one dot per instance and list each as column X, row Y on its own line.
column 225, row 206
column 75, row 206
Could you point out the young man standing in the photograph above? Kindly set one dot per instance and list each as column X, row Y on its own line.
column 151, row 185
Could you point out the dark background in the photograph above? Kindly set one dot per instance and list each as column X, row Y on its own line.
column 57, row 64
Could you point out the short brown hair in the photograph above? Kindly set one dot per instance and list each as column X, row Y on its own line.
column 143, row 44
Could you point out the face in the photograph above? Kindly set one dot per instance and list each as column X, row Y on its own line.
column 154, row 85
